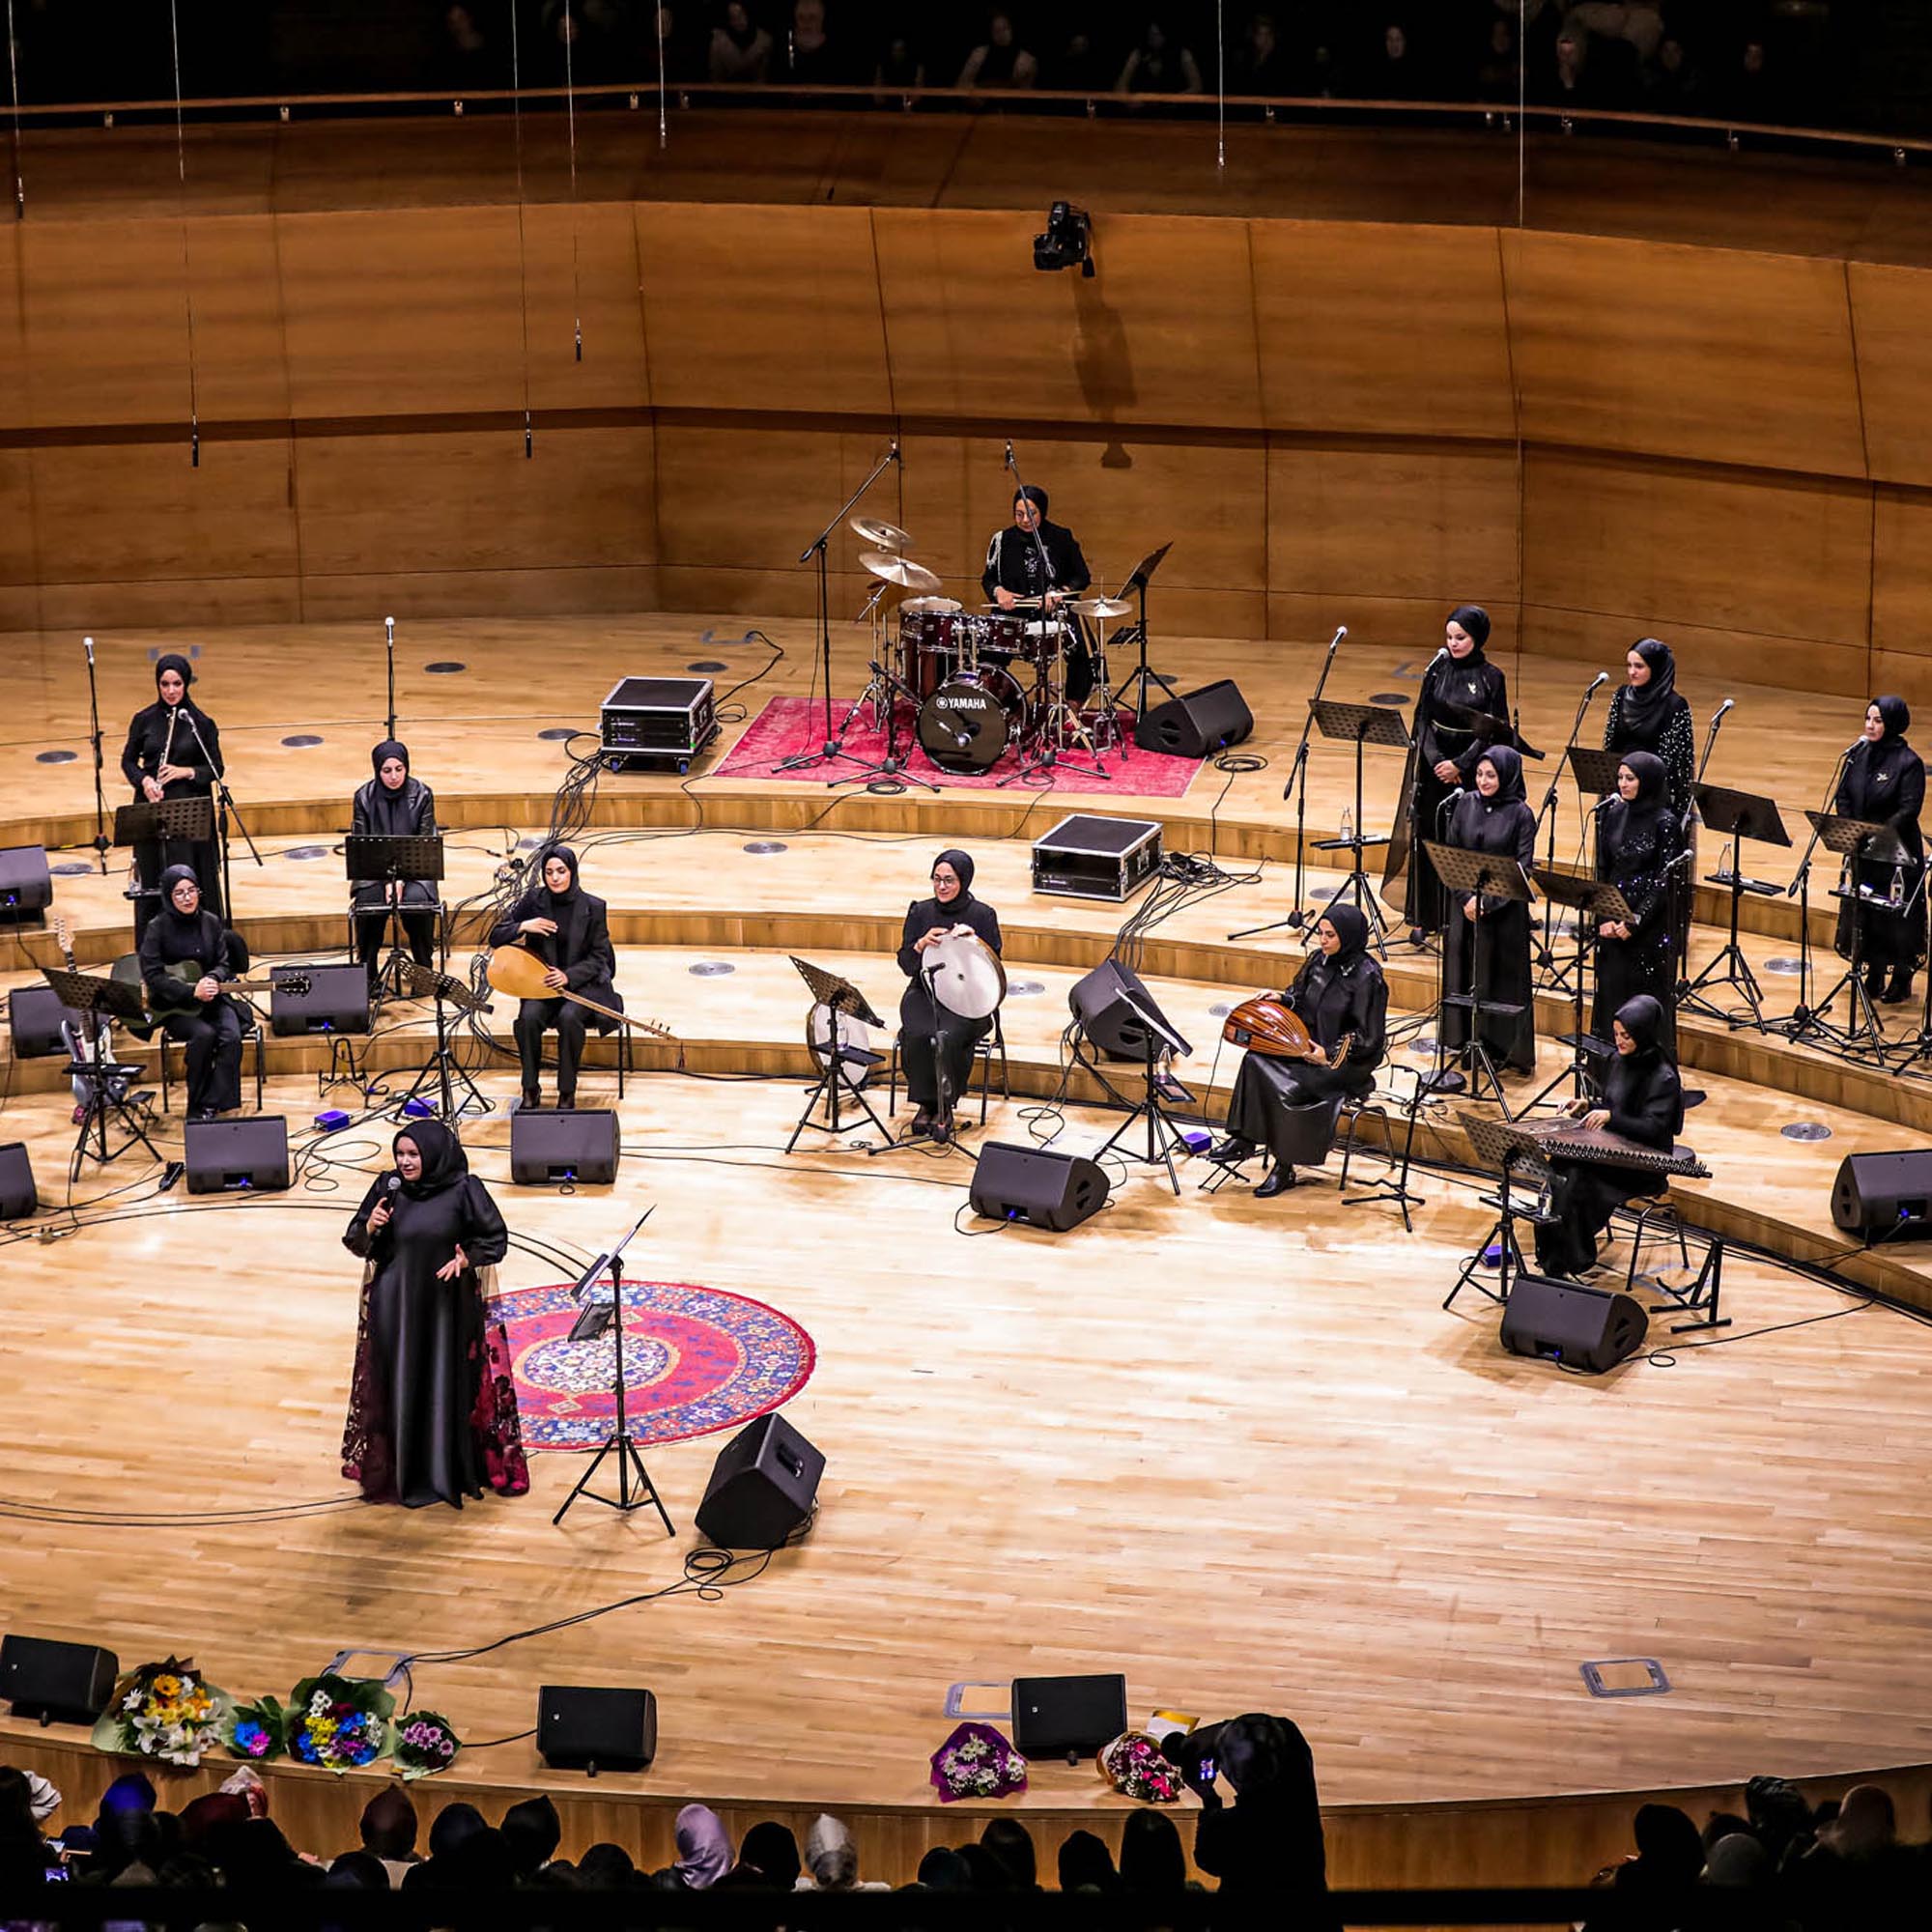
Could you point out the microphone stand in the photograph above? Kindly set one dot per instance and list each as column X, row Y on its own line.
column 1801, row 1021
column 1297, row 782
column 833, row 745
column 226, row 800
column 1547, row 962
column 389, row 639
column 102, row 841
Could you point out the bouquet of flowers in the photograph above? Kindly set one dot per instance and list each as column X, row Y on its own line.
column 426, row 1743
column 977, row 1762
column 256, row 1731
column 166, row 1710
column 1133, row 1764
column 341, row 1724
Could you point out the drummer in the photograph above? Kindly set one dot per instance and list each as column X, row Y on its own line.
column 1034, row 558
column 936, row 1046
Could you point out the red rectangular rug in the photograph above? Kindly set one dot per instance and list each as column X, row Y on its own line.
column 789, row 725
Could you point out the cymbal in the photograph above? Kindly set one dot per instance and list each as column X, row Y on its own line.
column 880, row 535
column 901, row 570
column 1102, row 606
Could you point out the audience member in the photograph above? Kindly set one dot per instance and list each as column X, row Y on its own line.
column 1152, row 1856
column 703, row 1852
column 1011, row 1843
column 767, row 1860
column 609, row 1868
column 1086, row 1864
column 1499, row 75
column 741, row 50
column 532, row 1831
column 898, row 65
column 1269, row 1840
column 389, row 1831
column 831, row 1859
column 999, row 60
column 1158, row 65
column 943, row 1871
column 814, row 57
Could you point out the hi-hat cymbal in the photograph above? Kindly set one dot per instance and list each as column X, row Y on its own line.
column 880, row 535
column 901, row 570
column 1102, row 606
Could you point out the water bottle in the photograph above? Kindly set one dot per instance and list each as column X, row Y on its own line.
column 1898, row 886
column 1347, row 825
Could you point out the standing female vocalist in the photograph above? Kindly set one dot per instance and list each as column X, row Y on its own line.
column 1494, row 817
column 1291, row 1106
column 1638, row 838
column 1885, row 784
column 1647, row 715
column 935, row 1080
column 173, row 751
column 1443, row 757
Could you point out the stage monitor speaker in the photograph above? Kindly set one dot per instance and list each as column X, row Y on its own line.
column 1035, row 1186
column 26, row 886
column 551, row 1145
column 1098, row 1003
column 19, row 1197
column 1885, row 1197
column 1198, row 722
column 34, row 1015
column 1563, row 1322
column 337, row 1000
column 582, row 1727
column 64, row 1683
column 1060, row 1716
column 238, row 1156
column 761, row 1486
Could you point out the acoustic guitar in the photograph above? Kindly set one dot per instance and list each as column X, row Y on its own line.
column 517, row 971
column 1267, row 1025
column 296, row 985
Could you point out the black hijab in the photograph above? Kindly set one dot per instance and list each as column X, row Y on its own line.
column 1892, row 753
column 1642, row 1019
column 562, row 902
column 962, row 865
column 444, row 1165
column 1508, row 765
column 185, row 935
column 174, row 662
column 1351, row 929
column 1647, row 707
column 1033, row 495
column 1474, row 619
column 1896, row 716
column 388, row 749
column 391, row 813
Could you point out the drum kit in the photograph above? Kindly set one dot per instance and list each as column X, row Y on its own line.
column 973, row 687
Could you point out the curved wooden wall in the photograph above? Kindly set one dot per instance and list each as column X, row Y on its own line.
column 1335, row 420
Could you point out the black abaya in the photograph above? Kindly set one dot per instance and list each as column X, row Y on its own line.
column 920, row 1019
column 432, row 1408
column 1885, row 784
column 142, row 757
column 1506, row 827
column 581, row 948
column 408, row 812
column 212, row 1028
column 1635, row 845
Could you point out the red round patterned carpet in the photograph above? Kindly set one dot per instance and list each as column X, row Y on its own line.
column 696, row 1359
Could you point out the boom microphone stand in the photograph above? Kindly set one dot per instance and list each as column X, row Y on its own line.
column 390, row 641
column 1546, row 970
column 102, row 841
column 1804, row 1020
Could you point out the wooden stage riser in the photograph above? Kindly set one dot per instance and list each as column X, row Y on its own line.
column 1550, row 1841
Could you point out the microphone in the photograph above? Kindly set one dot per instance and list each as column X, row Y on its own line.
column 1604, row 804
column 1722, row 708
column 87, row 644
column 1601, row 677
column 893, row 456
column 1341, row 632
column 394, row 1183
column 389, row 626
column 1009, row 452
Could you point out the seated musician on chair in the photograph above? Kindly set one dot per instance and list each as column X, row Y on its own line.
column 393, row 805
column 186, row 953
column 1014, row 570
column 1290, row 1107
column 567, row 929
column 936, row 1079
column 1643, row 1101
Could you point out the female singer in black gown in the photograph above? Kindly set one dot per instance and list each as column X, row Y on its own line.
column 569, row 930
column 1291, row 1106
column 184, row 934
column 1643, row 1101
column 1647, row 715
column 1638, row 836
column 393, row 804
column 934, row 1082
column 432, row 1408
column 1885, row 784
column 1442, row 758
column 173, row 751
column 1494, row 817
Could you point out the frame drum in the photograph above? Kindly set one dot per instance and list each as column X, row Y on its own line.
column 965, row 976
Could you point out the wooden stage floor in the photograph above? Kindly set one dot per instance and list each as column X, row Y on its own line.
column 1235, row 1449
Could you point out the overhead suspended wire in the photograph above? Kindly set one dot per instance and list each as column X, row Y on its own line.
column 664, row 86
column 570, row 116
column 522, row 260
column 13, row 74
column 180, row 211
column 1220, row 91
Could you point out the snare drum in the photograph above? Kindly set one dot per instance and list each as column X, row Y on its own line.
column 1041, row 640
column 969, row 721
column 1000, row 634
column 935, row 640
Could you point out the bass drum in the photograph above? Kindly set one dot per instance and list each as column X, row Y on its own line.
column 968, row 722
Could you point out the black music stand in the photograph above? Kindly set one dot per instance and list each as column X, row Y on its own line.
column 440, row 1069
column 1488, row 727
column 1163, row 1137
column 390, row 858
column 188, row 820
column 1362, row 724
column 97, row 997
column 1591, row 904
column 1736, row 816
column 1484, row 874
column 597, row 1314
column 838, row 999
column 1138, row 679
column 1855, row 840
column 1503, row 1146
column 1595, row 771
column 1394, row 1185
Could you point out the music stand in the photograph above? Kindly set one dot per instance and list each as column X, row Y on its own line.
column 1503, row 1146
column 597, row 1315
column 440, row 1069
column 1489, row 728
column 1591, row 904
column 1484, row 874
column 389, row 859
column 1363, row 724
column 1394, row 1185
column 838, row 999
column 1855, row 840
column 1162, row 1135
column 97, row 997
column 1138, row 679
column 188, row 820
column 1736, row 816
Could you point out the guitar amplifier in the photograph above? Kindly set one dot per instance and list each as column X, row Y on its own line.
column 1085, row 856
column 656, row 724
